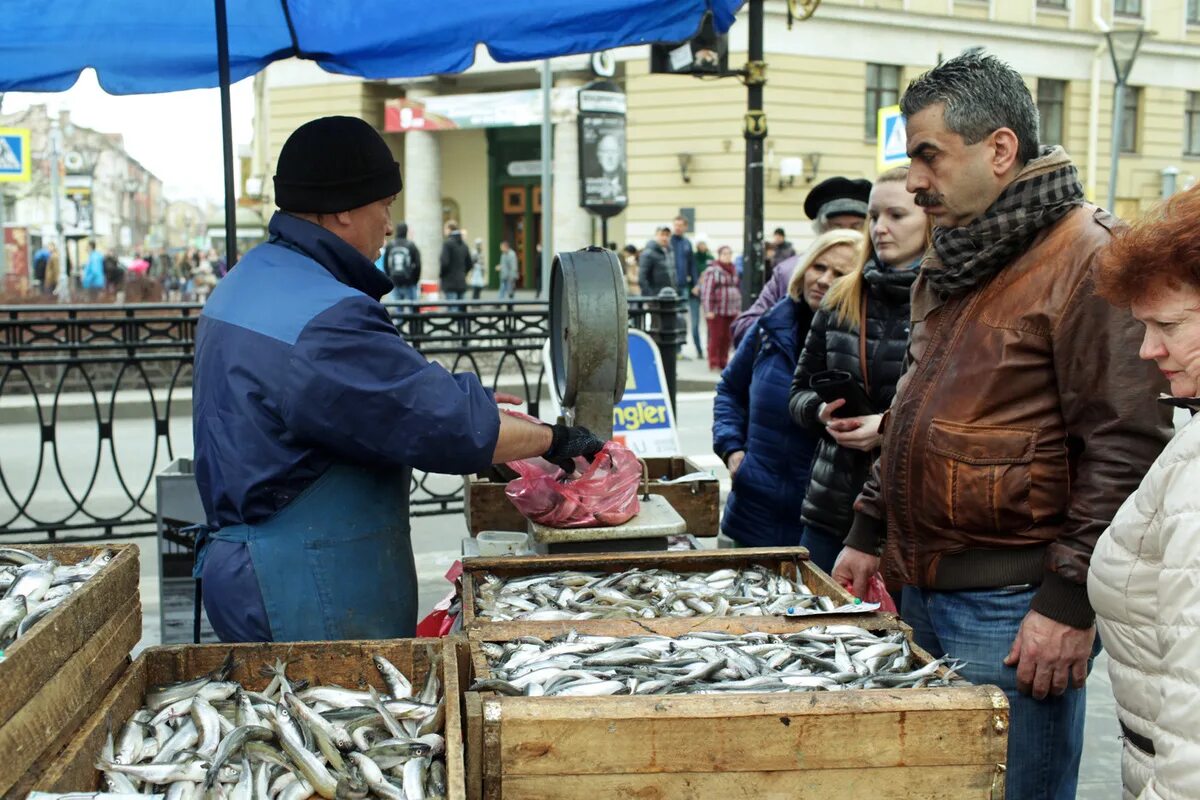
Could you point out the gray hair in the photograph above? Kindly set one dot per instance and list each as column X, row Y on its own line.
column 981, row 94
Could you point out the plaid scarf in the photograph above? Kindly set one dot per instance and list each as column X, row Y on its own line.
column 1044, row 192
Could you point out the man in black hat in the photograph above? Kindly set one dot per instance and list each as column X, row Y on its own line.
column 310, row 412
column 832, row 203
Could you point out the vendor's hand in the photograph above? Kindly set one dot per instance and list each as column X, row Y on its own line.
column 710, row 315
column 508, row 399
column 854, row 568
column 825, row 412
column 1049, row 655
column 735, row 461
column 857, row 433
column 568, row 443
column 695, row 291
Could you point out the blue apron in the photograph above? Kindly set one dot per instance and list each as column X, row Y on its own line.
column 336, row 562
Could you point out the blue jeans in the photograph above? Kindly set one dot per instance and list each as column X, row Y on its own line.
column 694, row 313
column 403, row 293
column 450, row 295
column 823, row 548
column 1045, row 737
column 508, row 289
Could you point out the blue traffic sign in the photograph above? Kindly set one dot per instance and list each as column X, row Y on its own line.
column 892, row 141
column 14, row 155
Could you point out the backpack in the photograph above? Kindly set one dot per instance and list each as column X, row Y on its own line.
column 399, row 264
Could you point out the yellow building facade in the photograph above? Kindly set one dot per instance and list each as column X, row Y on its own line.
column 825, row 78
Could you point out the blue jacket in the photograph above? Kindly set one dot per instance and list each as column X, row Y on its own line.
column 685, row 263
column 93, row 272
column 298, row 367
column 750, row 413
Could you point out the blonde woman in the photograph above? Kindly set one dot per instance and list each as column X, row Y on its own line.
column 897, row 236
column 769, row 457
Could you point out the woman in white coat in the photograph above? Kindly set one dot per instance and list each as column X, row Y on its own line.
column 1144, row 581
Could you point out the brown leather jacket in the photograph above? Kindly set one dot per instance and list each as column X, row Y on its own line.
column 1023, row 421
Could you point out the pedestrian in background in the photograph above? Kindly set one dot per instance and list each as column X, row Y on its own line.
column 402, row 262
column 1023, row 419
column 656, row 264
column 92, row 279
column 769, row 456
column 782, row 249
column 455, row 263
column 833, row 203
column 478, row 271
column 841, row 334
column 53, row 265
column 721, row 301
column 508, row 270
column 703, row 255
column 686, row 277
column 1144, row 580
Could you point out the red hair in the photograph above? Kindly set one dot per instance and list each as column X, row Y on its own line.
column 1158, row 251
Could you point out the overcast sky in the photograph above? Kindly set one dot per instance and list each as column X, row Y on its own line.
column 176, row 135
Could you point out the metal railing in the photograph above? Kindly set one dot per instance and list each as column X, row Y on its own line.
column 95, row 400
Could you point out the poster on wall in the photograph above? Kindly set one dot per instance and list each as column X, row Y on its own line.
column 603, row 188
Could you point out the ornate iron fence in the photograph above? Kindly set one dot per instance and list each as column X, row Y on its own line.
column 96, row 400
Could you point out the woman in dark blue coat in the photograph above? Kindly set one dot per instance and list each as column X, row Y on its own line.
column 768, row 455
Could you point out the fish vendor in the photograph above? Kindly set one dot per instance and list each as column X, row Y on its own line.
column 310, row 412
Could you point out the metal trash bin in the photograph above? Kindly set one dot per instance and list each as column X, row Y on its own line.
column 178, row 506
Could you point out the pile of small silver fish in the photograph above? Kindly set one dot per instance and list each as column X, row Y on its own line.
column 212, row 738
column 647, row 594
column 33, row 587
column 825, row 658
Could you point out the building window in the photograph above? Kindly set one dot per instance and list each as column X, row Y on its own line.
column 1051, row 104
column 1129, row 119
column 883, row 90
column 1059, row 4
column 1193, row 17
column 1127, row 8
column 1191, row 121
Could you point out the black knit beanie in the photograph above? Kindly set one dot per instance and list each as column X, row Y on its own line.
column 334, row 164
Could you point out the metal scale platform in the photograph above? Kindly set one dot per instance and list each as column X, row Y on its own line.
column 589, row 322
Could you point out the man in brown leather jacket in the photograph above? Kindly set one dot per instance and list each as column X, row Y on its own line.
column 1022, row 422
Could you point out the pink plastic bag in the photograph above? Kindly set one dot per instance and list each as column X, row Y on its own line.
column 876, row 593
column 600, row 494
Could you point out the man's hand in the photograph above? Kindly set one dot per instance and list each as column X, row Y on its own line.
column 857, row 433
column 1049, row 655
column 508, row 399
column 568, row 443
column 735, row 461
column 855, row 568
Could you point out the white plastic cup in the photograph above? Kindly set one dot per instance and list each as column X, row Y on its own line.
column 502, row 543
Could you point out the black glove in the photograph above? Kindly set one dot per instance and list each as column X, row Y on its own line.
column 570, row 442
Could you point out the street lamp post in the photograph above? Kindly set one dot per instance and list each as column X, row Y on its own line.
column 1123, row 46
column 62, row 289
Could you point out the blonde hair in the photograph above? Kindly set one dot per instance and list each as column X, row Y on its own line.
column 826, row 241
column 845, row 296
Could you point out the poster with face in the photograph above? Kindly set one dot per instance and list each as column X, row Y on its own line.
column 602, row 172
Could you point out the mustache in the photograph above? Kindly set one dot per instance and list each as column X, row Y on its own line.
column 926, row 199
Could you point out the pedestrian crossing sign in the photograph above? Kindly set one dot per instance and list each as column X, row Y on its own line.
column 14, row 155
column 892, row 143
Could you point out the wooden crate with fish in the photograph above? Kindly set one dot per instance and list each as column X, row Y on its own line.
column 675, row 591
column 332, row 670
column 79, row 615
column 487, row 508
column 780, row 734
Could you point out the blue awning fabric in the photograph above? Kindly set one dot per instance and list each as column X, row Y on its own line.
column 144, row 46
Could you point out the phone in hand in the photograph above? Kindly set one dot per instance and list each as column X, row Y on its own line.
column 837, row 384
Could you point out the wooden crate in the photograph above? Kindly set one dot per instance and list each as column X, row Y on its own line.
column 944, row 743
column 345, row 663
column 487, row 508
column 58, row 673
column 791, row 562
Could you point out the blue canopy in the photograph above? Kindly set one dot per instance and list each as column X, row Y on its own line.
column 142, row 46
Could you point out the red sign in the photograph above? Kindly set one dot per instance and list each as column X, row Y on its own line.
column 16, row 251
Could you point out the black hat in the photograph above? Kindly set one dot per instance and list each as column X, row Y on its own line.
column 839, row 195
column 334, row 164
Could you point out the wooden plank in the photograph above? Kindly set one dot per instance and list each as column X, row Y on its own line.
column 473, row 727
column 41, row 726
column 967, row 782
column 507, row 631
column 789, row 735
column 491, row 750
column 34, row 658
column 346, row 663
column 455, row 775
